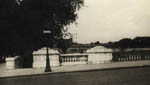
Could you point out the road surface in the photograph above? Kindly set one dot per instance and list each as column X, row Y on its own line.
column 130, row 76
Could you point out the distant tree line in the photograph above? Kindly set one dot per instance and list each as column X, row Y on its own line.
column 138, row 42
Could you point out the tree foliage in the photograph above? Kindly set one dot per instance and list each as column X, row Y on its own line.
column 22, row 23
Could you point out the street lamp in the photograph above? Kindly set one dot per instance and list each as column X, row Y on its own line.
column 47, row 68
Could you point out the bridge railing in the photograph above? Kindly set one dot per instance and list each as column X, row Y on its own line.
column 131, row 56
column 94, row 55
column 72, row 59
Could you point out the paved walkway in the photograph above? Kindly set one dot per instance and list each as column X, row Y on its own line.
column 2, row 68
column 73, row 68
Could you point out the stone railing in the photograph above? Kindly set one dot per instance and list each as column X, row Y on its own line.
column 73, row 59
column 131, row 55
column 86, row 58
column 94, row 55
column 13, row 62
column 91, row 56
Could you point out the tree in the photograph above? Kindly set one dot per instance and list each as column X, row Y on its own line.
column 64, row 44
column 22, row 23
column 125, row 43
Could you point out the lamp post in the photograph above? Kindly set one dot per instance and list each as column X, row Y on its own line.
column 47, row 68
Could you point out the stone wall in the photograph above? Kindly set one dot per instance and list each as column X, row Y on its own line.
column 99, row 54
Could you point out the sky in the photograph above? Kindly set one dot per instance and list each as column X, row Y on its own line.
column 111, row 20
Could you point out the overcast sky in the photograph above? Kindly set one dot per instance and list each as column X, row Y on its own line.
column 112, row 20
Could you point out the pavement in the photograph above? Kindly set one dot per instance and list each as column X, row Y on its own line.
column 4, row 73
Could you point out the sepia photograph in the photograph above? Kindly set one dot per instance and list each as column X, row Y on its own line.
column 74, row 42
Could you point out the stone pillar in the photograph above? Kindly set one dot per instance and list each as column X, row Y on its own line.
column 99, row 55
column 13, row 62
column 39, row 58
column 54, row 57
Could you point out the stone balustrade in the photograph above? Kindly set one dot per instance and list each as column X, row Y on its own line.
column 73, row 59
column 94, row 55
column 131, row 55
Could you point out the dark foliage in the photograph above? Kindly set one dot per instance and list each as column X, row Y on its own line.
column 22, row 23
column 64, row 44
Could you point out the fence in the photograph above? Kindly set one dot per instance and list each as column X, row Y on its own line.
column 71, row 59
column 131, row 56
column 126, row 55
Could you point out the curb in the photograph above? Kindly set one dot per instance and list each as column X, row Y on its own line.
column 87, row 70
